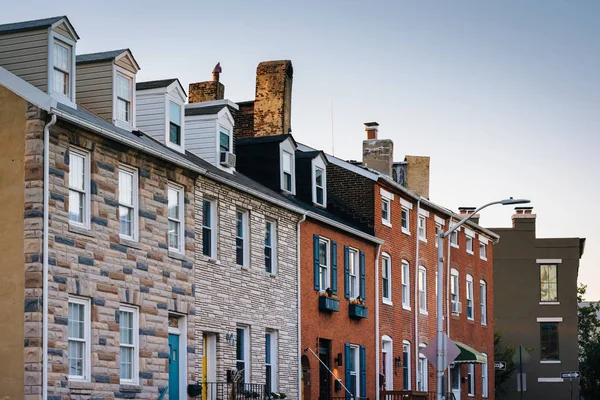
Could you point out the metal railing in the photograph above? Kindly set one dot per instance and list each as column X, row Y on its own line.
column 411, row 395
column 348, row 398
column 232, row 391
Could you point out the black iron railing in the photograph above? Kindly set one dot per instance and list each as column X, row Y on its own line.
column 411, row 395
column 348, row 398
column 232, row 391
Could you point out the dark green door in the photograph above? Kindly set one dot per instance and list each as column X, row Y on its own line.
column 173, row 367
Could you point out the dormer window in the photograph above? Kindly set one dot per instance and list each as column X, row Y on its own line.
column 62, row 68
column 224, row 140
column 287, row 171
column 124, row 96
column 319, row 185
column 319, row 181
column 175, row 123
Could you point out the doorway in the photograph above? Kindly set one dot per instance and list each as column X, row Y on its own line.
column 173, row 366
column 324, row 374
column 455, row 380
column 209, row 364
column 305, row 378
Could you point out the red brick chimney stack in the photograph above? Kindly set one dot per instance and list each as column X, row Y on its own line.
column 371, row 128
column 209, row 90
column 216, row 71
column 273, row 99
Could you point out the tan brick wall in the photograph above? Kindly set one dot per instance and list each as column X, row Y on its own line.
column 206, row 91
column 273, row 102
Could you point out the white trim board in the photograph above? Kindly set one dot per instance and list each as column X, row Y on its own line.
column 548, row 260
column 386, row 194
column 549, row 319
column 550, row 380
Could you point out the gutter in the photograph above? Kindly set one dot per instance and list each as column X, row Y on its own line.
column 299, row 309
column 46, row 230
column 377, row 371
column 416, row 290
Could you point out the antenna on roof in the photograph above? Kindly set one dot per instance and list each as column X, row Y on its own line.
column 332, row 136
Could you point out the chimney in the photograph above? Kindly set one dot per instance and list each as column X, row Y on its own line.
column 524, row 219
column 417, row 175
column 378, row 154
column 273, row 100
column 209, row 90
column 469, row 210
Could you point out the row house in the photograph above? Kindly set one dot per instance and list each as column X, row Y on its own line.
column 100, row 254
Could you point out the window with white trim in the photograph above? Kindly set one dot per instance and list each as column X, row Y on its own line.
column 270, row 246
column 319, row 196
column 454, row 239
column 422, row 370
column 406, row 354
column 483, row 301
column 484, row 378
column 482, row 251
column 469, row 297
column 353, row 273
column 79, row 187
column 242, row 234
column 471, row 379
column 62, row 64
column 422, row 228
column 175, row 123
column 128, row 202
column 287, row 170
column 469, row 244
column 209, row 228
column 548, row 283
column 324, row 257
column 176, row 218
column 438, row 227
column 354, row 384
column 128, row 343
column 124, row 98
column 386, row 217
column 454, row 297
column 271, row 361
column 78, row 333
column 422, row 290
column 387, row 362
column 386, row 278
column 549, row 341
column 405, row 220
column 242, row 352
column 405, row 285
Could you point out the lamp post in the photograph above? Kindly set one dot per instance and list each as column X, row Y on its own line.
column 441, row 235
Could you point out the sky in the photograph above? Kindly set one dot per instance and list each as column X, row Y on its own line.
column 504, row 95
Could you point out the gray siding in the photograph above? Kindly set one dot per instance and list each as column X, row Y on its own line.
column 124, row 62
column 150, row 114
column 62, row 29
column 25, row 54
column 94, row 88
column 200, row 136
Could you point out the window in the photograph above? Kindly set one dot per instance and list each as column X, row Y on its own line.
column 386, row 218
column 471, row 379
column 484, row 378
column 387, row 350
column 62, row 69
column 438, row 227
column 352, row 365
column 469, row 297
column 406, row 384
column 128, row 202
column 483, row 301
column 454, row 292
column 548, row 283
column 353, row 273
column 270, row 247
column 422, row 371
column 224, row 140
column 549, row 341
column 209, row 228
column 319, row 186
column 323, row 263
column 422, row 290
column 405, row 220
column 79, row 339
column 175, row 205
column 482, row 251
column 241, row 239
column 271, row 361
column 242, row 352
column 79, row 187
column 124, row 96
column 128, row 337
column 405, row 285
column 386, row 275
column 287, row 171
column 175, row 123
column 469, row 244
column 422, row 228
column 454, row 239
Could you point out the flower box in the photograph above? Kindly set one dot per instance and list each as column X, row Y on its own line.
column 358, row 311
column 329, row 304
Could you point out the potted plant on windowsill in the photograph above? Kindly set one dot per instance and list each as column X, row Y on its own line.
column 278, row 395
column 328, row 301
column 357, row 308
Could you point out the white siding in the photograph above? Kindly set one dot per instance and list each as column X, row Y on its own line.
column 25, row 54
column 200, row 137
column 150, row 115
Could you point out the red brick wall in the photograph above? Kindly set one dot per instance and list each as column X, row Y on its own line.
column 337, row 327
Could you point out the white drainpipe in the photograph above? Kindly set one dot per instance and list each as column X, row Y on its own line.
column 377, row 320
column 416, row 363
column 45, row 258
column 299, row 317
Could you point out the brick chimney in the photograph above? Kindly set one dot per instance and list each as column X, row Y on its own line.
column 273, row 100
column 417, row 175
column 524, row 218
column 469, row 210
column 378, row 154
column 209, row 90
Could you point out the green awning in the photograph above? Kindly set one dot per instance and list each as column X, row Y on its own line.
column 469, row 355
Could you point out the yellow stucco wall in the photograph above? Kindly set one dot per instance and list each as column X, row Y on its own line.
column 12, row 282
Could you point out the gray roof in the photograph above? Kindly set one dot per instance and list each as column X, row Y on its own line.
column 97, row 57
column 208, row 110
column 32, row 25
column 154, row 84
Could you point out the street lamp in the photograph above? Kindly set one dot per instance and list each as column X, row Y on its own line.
column 441, row 235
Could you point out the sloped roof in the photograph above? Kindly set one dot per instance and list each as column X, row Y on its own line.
column 264, row 139
column 162, row 83
column 101, row 56
column 33, row 25
column 208, row 110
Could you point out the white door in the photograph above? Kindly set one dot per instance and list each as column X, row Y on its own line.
column 455, row 381
column 210, row 356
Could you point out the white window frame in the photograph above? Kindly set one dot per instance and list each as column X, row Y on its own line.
column 355, row 374
column 135, row 198
column 387, row 354
column 317, row 163
column 86, row 377
column 179, row 147
column 325, row 285
column 455, row 291
column 484, row 378
column 354, row 283
column 246, row 351
column 483, row 301
column 386, row 221
column 135, row 345
column 469, row 240
column 224, row 121
column 454, row 239
column 287, row 147
column 274, row 363
column 438, row 226
column 483, row 251
column 405, row 229
column 471, row 382
column 422, row 372
column 407, row 344
column 422, row 229
column 86, row 188
column 127, row 125
column 272, row 246
column 386, row 266
column 469, row 297
column 423, row 290
column 54, row 37
column 245, row 238
column 405, row 285
column 212, row 228
column 181, row 216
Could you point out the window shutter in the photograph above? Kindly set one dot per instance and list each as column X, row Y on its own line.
column 362, row 275
column 346, row 272
column 316, row 260
column 363, row 371
column 334, row 283
column 347, row 368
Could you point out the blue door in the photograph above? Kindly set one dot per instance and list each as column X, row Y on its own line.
column 173, row 367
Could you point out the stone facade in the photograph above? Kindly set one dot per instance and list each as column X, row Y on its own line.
column 228, row 296
column 97, row 265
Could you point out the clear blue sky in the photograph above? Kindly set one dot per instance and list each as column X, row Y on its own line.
column 503, row 95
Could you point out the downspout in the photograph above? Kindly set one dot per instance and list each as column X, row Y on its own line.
column 46, row 228
column 299, row 317
column 416, row 363
column 448, row 314
column 377, row 322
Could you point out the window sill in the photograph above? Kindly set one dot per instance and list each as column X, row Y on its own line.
column 423, row 312
column 549, row 303
column 81, row 230
column 470, row 319
column 130, row 388
column 405, row 307
column 549, row 361
column 388, row 302
column 406, row 231
column 243, row 267
column 271, row 274
column 469, row 252
column 386, row 223
column 176, row 255
column 422, row 239
column 454, row 246
column 130, row 243
column 483, row 258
